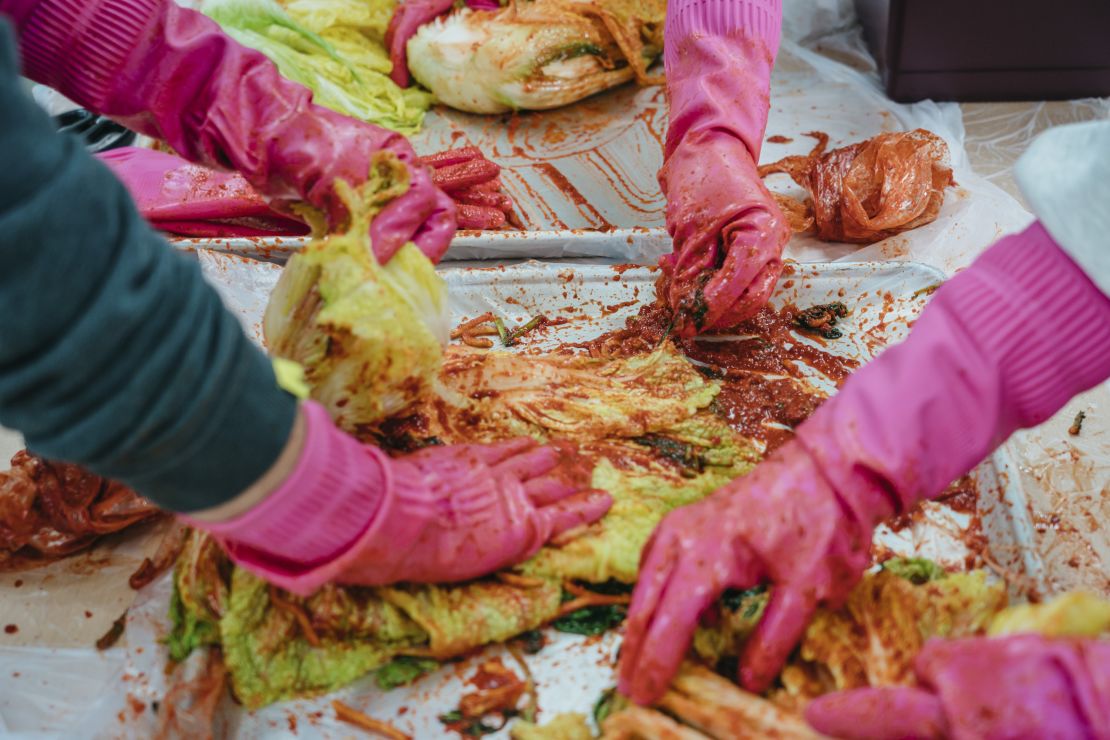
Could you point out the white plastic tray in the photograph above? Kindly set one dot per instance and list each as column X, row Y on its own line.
column 570, row 672
column 584, row 177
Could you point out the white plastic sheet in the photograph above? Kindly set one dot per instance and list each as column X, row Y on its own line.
column 570, row 672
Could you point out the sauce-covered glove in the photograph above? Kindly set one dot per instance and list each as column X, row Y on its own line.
column 172, row 74
column 474, row 183
column 189, row 200
column 728, row 232
column 350, row 514
column 1001, row 346
column 1025, row 686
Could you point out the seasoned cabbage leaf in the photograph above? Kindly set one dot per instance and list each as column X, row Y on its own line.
column 335, row 51
column 653, row 444
column 368, row 336
column 1074, row 614
column 536, row 54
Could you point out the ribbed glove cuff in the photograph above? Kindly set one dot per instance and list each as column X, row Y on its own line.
column 1048, row 323
column 81, row 47
column 759, row 19
column 330, row 498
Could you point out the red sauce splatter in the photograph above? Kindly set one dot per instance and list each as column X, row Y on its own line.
column 88, row 614
column 779, row 139
column 11, row 629
column 572, row 193
column 753, row 404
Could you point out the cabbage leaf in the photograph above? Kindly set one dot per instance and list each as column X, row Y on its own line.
column 337, row 53
column 369, row 337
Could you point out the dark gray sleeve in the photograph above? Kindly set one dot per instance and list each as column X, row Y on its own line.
column 114, row 352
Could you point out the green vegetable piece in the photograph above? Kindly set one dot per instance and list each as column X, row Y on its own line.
column 403, row 670
column 592, row 620
column 333, row 47
column 607, row 704
column 915, row 570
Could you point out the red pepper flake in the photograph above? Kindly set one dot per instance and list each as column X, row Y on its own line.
column 11, row 629
column 18, row 582
column 88, row 614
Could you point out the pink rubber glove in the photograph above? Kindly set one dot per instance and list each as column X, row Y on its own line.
column 1001, row 346
column 408, row 17
column 474, row 183
column 350, row 514
column 1026, row 686
column 186, row 199
column 728, row 232
column 172, row 74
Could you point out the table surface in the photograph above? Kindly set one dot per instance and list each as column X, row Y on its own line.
column 996, row 134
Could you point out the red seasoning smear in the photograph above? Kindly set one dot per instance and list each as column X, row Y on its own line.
column 752, row 403
column 11, row 629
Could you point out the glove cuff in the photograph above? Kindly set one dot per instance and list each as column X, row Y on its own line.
column 317, row 513
column 1045, row 323
column 81, row 47
column 1004, row 345
column 757, row 19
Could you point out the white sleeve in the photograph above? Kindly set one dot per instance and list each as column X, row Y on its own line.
column 1065, row 176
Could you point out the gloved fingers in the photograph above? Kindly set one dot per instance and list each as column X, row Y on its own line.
column 574, row 511
column 433, row 237
column 684, row 598
column 547, row 490
column 528, row 464
column 465, row 174
column 746, row 278
column 475, row 196
column 494, row 454
column 784, row 621
column 449, row 157
column 730, row 308
column 890, row 713
column 480, row 218
column 657, row 563
column 398, row 223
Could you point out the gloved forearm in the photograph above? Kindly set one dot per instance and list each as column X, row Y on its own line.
column 172, row 74
column 114, row 352
column 1022, row 686
column 742, row 39
column 728, row 232
column 1002, row 346
column 349, row 513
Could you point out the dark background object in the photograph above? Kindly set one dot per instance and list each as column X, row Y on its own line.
column 989, row 50
column 99, row 134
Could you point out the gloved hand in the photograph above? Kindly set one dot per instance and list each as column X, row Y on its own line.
column 1002, row 346
column 190, row 200
column 172, row 74
column 728, row 232
column 350, row 514
column 474, row 183
column 1025, row 686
